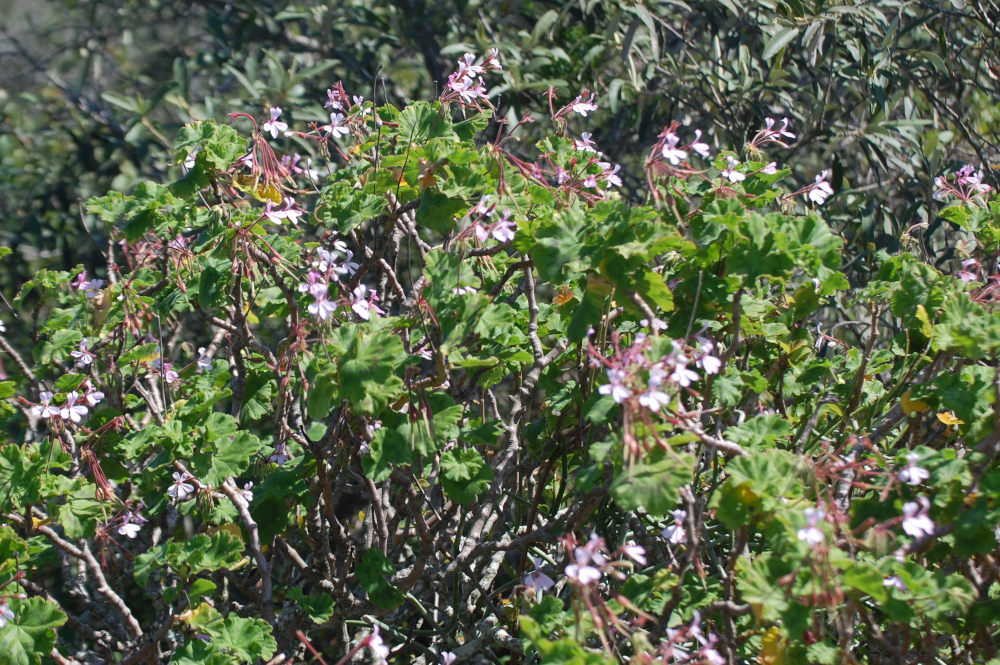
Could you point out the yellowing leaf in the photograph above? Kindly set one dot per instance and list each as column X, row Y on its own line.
column 263, row 192
column 910, row 405
column 268, row 193
column 564, row 296
column 199, row 615
column 772, row 647
column 949, row 419
column 925, row 320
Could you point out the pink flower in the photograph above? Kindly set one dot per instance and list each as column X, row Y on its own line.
column 89, row 287
column 538, row 580
column 333, row 99
column 635, row 552
column 274, row 126
column 379, row 650
column 969, row 271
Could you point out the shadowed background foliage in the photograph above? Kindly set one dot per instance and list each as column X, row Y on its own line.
column 887, row 95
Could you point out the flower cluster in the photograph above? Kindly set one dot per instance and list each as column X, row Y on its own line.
column 74, row 408
column 688, row 644
column 479, row 223
column 632, row 376
column 466, row 84
column 90, row 287
column 967, row 185
column 131, row 523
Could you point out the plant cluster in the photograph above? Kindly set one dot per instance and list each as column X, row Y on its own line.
column 401, row 384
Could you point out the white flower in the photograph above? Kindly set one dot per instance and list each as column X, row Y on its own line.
column 45, row 410
column 181, row 489
column 129, row 529
column 616, row 388
column 730, row 171
column 322, row 309
column 447, row 658
column 204, row 360
column 273, row 126
column 5, row 613
column 811, row 534
column 72, row 411
column 675, row 533
column 246, row 493
column 190, row 160
column 336, row 126
column 653, row 399
column 82, row 355
column 820, row 189
column 916, row 523
column 894, row 581
column 912, row 474
column 583, row 105
column 582, row 573
column 670, row 151
column 699, row 146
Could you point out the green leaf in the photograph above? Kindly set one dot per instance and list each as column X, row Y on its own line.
column 317, row 608
column 421, row 121
column 246, row 640
column 654, row 482
column 28, row 638
column 367, row 367
column 225, row 457
column 464, row 475
column 778, row 41
column 218, row 145
column 437, row 211
column 372, row 571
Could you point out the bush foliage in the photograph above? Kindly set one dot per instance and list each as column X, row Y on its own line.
column 460, row 381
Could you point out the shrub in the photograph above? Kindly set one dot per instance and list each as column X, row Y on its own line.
column 436, row 393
